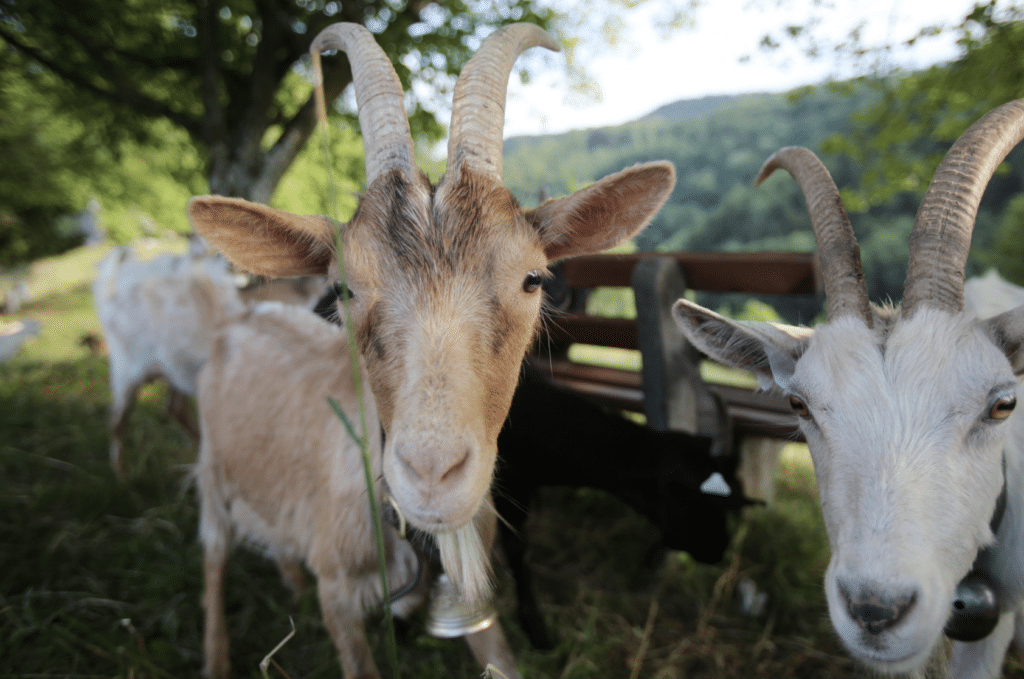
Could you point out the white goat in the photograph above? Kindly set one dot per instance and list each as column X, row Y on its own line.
column 446, row 279
column 159, row 318
column 908, row 415
column 277, row 469
column 991, row 294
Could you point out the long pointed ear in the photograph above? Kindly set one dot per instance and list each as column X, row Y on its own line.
column 606, row 213
column 768, row 350
column 1007, row 331
column 264, row 240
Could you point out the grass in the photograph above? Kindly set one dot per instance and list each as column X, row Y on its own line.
column 100, row 578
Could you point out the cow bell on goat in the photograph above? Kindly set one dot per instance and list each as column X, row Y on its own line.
column 449, row 615
column 975, row 609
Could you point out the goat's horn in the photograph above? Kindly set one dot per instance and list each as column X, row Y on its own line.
column 942, row 231
column 838, row 252
column 385, row 127
column 478, row 107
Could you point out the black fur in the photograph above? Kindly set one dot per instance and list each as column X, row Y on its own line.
column 555, row 437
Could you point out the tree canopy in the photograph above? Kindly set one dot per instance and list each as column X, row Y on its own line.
column 230, row 73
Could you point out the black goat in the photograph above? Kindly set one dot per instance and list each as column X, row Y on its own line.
column 555, row 437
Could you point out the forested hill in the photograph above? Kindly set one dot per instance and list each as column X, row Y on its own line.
column 718, row 145
column 690, row 107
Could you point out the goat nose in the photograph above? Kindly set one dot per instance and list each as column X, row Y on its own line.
column 434, row 466
column 874, row 610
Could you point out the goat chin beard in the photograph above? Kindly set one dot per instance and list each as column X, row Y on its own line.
column 466, row 562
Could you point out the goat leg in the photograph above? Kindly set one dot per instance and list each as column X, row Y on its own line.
column 344, row 620
column 215, row 634
column 179, row 408
column 292, row 574
column 124, row 392
column 512, row 504
column 490, row 647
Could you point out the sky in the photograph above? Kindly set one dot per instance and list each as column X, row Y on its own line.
column 647, row 70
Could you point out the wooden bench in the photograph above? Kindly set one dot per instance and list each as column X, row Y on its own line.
column 669, row 389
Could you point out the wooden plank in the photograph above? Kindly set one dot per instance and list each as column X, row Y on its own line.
column 606, row 332
column 759, row 413
column 780, row 273
column 754, row 413
column 761, row 400
column 619, row 398
column 563, row 369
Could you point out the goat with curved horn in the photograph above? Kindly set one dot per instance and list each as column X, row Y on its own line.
column 838, row 252
column 379, row 98
column 478, row 106
column 909, row 417
column 445, row 287
column 942, row 231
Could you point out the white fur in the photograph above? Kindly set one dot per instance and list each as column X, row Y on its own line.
column 908, row 463
column 158, row 319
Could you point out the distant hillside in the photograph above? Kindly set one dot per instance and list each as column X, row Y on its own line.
column 691, row 107
column 717, row 145
column 678, row 110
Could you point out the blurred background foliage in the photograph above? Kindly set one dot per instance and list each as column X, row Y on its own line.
column 132, row 104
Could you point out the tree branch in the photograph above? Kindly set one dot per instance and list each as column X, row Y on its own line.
column 297, row 132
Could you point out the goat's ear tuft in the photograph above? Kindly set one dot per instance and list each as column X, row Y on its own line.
column 264, row 240
column 604, row 214
column 1007, row 331
column 768, row 350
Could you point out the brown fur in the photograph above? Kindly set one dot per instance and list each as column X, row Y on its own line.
column 277, row 470
column 439, row 309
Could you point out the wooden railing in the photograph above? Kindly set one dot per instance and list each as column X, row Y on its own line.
column 669, row 389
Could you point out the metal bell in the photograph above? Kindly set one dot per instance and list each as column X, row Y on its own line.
column 975, row 609
column 449, row 615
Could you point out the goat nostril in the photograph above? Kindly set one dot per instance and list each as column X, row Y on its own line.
column 456, row 468
column 876, row 612
column 409, row 467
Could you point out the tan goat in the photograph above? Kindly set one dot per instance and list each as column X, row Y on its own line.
column 276, row 469
column 446, row 279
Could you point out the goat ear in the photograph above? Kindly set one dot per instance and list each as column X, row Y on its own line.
column 768, row 350
column 1007, row 331
column 604, row 214
column 264, row 240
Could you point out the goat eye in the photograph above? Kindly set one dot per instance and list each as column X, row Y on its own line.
column 798, row 406
column 1003, row 408
column 532, row 282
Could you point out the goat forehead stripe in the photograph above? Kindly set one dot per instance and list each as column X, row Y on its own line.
column 470, row 227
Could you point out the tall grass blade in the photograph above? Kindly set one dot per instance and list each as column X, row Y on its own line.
column 363, row 441
column 270, row 656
